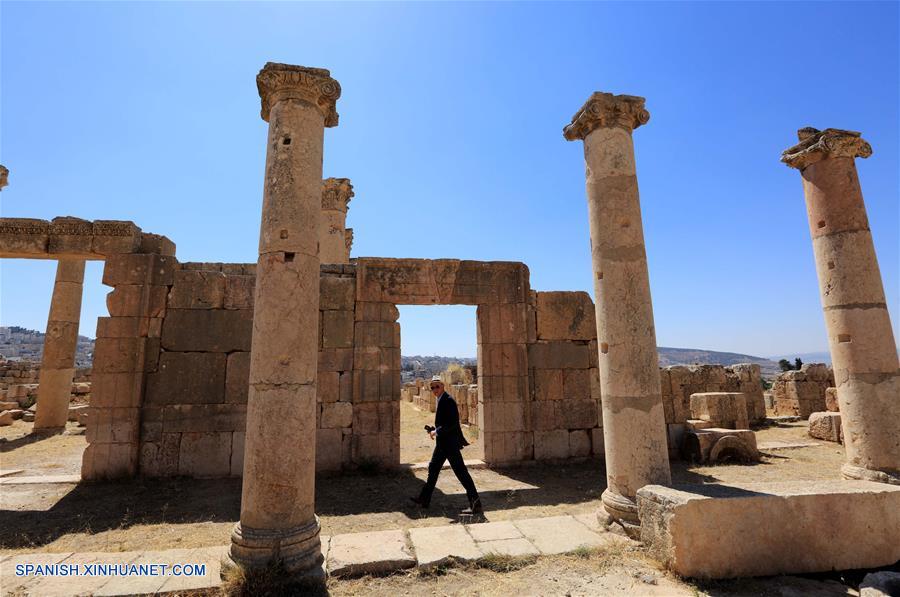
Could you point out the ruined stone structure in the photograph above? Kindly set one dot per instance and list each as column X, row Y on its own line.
column 802, row 392
column 633, row 414
column 334, row 240
column 860, row 337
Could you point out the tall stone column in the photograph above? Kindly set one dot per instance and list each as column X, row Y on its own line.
column 278, row 520
column 336, row 195
column 863, row 351
column 634, row 427
column 60, row 343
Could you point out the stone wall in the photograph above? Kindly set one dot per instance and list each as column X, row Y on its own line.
column 802, row 392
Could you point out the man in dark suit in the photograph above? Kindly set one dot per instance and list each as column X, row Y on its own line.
column 449, row 440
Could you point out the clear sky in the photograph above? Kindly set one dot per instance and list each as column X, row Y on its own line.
column 451, row 120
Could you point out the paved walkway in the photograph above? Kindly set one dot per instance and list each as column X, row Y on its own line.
column 354, row 554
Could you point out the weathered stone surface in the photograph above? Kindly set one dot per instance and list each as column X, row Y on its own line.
column 239, row 290
column 718, row 445
column 237, row 377
column 24, row 237
column 436, row 546
column 157, row 270
column 579, row 443
column 205, row 454
column 336, row 415
column 378, row 552
column 187, row 378
column 831, row 400
column 197, row 290
column 115, row 236
column 337, row 293
column 558, row 534
column 551, row 444
column 329, row 452
column 795, row 539
column 827, row 426
column 722, row 409
column 565, row 316
column 558, row 355
column 207, row 330
column 494, row 531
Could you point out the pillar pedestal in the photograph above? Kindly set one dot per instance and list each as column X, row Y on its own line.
column 278, row 522
column 860, row 337
column 634, row 428
column 60, row 344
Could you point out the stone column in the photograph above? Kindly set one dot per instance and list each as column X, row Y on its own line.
column 58, row 360
column 634, row 427
column 336, row 194
column 348, row 240
column 278, row 520
column 863, row 351
column 4, row 176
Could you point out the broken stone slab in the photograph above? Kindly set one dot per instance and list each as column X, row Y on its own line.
column 777, row 444
column 714, row 445
column 377, row 552
column 771, row 528
column 826, row 425
column 509, row 547
column 436, row 546
column 494, row 531
column 75, row 412
column 6, row 418
column 831, row 400
column 559, row 534
column 722, row 409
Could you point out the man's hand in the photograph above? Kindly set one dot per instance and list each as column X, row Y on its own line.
column 432, row 434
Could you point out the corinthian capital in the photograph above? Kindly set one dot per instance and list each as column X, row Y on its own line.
column 277, row 82
column 607, row 110
column 4, row 176
column 336, row 193
column 817, row 145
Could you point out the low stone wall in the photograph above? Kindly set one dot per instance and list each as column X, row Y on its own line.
column 801, row 393
column 14, row 373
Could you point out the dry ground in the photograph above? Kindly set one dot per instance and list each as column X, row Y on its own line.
column 416, row 445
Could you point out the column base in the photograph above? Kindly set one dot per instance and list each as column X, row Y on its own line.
column 851, row 471
column 622, row 511
column 48, row 430
column 298, row 551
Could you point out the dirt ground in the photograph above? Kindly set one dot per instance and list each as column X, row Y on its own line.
column 170, row 513
column 416, row 445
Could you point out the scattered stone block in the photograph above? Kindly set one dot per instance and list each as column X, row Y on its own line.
column 795, row 537
column 436, row 546
column 378, row 552
column 75, row 412
column 722, row 409
column 6, row 418
column 715, row 445
column 827, row 426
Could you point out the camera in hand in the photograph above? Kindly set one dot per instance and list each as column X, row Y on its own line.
column 429, row 428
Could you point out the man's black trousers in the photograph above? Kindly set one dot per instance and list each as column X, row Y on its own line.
column 442, row 453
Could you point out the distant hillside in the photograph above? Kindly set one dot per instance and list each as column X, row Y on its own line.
column 426, row 367
column 18, row 343
column 695, row 356
column 806, row 357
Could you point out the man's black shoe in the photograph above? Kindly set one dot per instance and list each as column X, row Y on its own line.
column 418, row 501
column 475, row 509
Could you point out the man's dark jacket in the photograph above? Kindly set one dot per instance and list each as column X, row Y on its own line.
column 449, row 434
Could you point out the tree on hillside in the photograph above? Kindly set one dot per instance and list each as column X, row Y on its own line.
column 785, row 365
column 798, row 363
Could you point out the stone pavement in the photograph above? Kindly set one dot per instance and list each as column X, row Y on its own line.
column 353, row 554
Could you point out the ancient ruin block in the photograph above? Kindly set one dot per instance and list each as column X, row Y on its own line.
column 722, row 409
column 156, row 270
column 160, row 458
column 205, row 454
column 124, row 355
column 115, row 236
column 338, row 329
column 576, row 384
column 558, row 355
column 717, row 445
column 197, row 290
column 597, row 446
column 23, row 237
column 550, row 445
column 509, row 446
column 156, row 243
column 336, row 415
column 578, row 414
column 239, row 290
column 831, row 400
column 565, row 316
column 503, row 359
column 237, row 377
column 338, row 293
column 137, row 300
column 506, row 416
column 579, row 443
column 827, row 426
column 207, row 330
column 802, row 392
column 502, row 323
column 117, row 389
column 796, row 537
column 328, row 386
column 336, row 359
column 187, row 378
column 71, row 236
column 504, row 389
column 124, row 327
column 188, row 418
column 375, row 417
column 545, row 415
column 548, row 384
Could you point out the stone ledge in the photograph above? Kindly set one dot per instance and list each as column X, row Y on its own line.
column 771, row 528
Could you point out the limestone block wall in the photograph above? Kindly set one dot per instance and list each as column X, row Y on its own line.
column 802, row 392
column 564, row 413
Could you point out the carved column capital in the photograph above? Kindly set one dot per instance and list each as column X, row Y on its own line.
column 607, row 110
column 336, row 193
column 277, row 82
column 816, row 145
column 4, row 176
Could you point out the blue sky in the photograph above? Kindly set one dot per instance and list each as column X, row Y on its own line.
column 451, row 121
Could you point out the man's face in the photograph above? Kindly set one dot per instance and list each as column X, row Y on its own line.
column 437, row 388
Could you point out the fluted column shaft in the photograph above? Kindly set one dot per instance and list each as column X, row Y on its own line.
column 860, row 337
column 634, row 428
column 278, row 520
column 60, row 344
